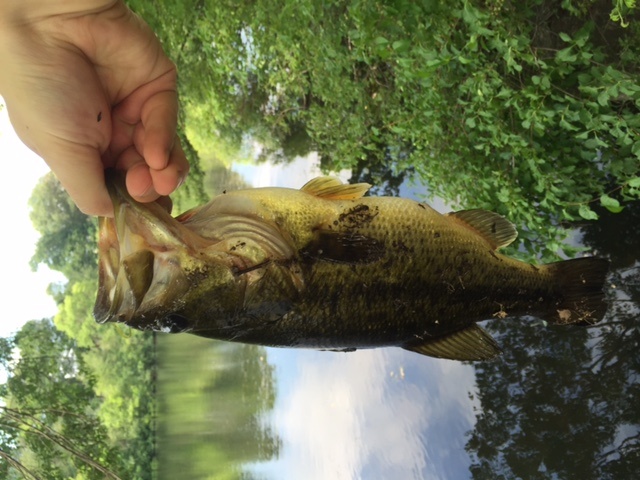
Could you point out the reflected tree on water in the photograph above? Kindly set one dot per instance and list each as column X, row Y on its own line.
column 212, row 399
column 562, row 403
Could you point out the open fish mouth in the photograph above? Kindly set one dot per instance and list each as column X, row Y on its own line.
column 137, row 255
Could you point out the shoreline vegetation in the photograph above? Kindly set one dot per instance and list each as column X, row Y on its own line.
column 528, row 109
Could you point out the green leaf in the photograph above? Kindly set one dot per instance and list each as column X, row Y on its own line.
column 610, row 204
column 565, row 55
column 401, row 45
column 603, row 98
column 634, row 182
column 565, row 37
column 615, row 209
column 503, row 195
column 585, row 212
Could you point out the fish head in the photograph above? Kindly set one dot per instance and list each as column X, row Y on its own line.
column 153, row 270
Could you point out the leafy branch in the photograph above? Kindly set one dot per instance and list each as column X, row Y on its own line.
column 26, row 421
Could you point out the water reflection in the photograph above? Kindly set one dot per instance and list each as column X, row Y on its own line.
column 371, row 414
column 560, row 402
column 212, row 396
column 563, row 403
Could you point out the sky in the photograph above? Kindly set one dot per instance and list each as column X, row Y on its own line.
column 23, row 294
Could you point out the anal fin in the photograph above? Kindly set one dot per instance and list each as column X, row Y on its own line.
column 471, row 343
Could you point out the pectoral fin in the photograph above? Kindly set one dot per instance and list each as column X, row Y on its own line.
column 472, row 343
column 332, row 188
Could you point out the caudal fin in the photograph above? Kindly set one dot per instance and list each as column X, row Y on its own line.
column 581, row 283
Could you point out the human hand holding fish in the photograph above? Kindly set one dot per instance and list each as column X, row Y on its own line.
column 326, row 267
column 88, row 86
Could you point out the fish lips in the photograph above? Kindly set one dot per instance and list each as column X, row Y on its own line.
column 129, row 246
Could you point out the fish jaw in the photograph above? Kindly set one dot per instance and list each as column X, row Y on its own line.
column 150, row 264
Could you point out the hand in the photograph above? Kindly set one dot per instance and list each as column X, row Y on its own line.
column 88, row 86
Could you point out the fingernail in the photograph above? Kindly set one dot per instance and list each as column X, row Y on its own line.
column 181, row 180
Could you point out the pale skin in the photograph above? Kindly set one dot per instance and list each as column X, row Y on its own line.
column 88, row 86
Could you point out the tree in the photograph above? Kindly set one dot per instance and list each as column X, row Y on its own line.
column 68, row 237
column 49, row 426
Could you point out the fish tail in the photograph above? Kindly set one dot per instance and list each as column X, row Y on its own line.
column 581, row 283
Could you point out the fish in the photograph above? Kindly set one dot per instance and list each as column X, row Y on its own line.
column 326, row 267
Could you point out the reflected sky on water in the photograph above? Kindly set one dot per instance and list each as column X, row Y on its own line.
column 383, row 413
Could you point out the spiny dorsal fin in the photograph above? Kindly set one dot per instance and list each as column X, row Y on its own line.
column 472, row 343
column 332, row 188
column 494, row 228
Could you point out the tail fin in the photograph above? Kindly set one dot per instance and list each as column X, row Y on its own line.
column 581, row 283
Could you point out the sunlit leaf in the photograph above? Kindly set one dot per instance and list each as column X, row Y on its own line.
column 611, row 204
column 585, row 212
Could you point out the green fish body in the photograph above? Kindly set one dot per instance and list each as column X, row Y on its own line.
column 325, row 267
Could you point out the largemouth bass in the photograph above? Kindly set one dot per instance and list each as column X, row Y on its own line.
column 325, row 267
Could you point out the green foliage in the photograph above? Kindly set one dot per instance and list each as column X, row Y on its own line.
column 621, row 9
column 49, row 424
column 528, row 108
column 67, row 242
column 121, row 362
column 77, row 413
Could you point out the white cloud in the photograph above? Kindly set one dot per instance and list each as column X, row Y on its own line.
column 372, row 414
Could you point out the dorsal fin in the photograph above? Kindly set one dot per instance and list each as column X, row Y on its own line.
column 494, row 228
column 332, row 188
column 471, row 343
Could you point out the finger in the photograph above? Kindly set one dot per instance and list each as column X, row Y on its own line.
column 152, row 109
column 138, row 178
column 81, row 173
column 165, row 181
column 155, row 139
